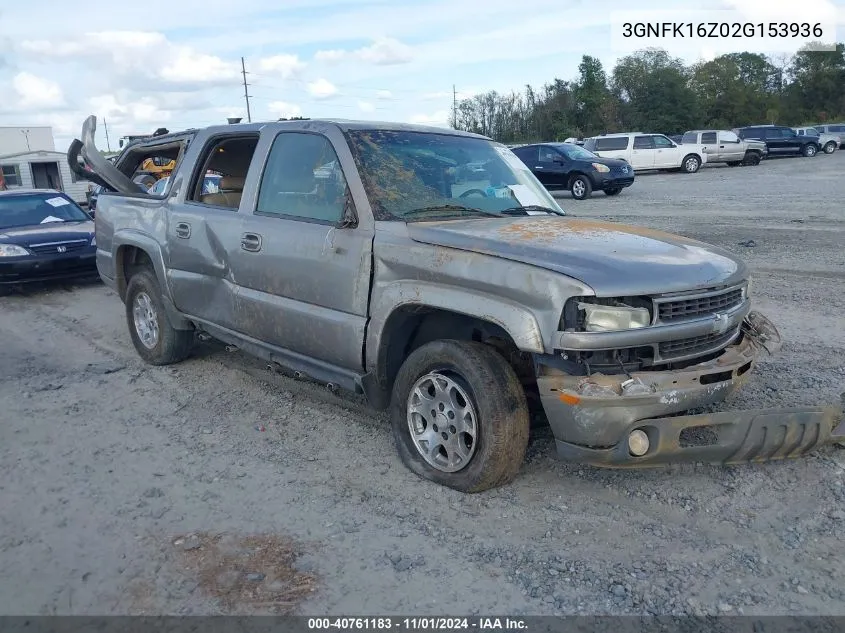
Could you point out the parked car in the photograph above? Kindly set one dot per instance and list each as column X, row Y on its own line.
column 724, row 146
column 648, row 151
column 828, row 142
column 44, row 236
column 564, row 166
column 781, row 140
column 833, row 128
column 574, row 141
column 447, row 303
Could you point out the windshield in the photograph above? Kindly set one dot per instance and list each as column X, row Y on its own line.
column 408, row 174
column 574, row 152
column 38, row 208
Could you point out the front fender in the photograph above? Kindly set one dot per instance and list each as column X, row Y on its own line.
column 130, row 238
column 515, row 319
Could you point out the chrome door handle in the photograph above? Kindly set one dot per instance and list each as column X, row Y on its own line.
column 251, row 242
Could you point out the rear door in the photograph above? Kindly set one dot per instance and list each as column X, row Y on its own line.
column 710, row 146
column 303, row 278
column 203, row 232
column 554, row 167
column 642, row 154
column 774, row 140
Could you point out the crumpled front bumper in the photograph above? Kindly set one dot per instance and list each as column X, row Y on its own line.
column 593, row 417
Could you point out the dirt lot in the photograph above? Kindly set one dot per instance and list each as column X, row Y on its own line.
column 131, row 489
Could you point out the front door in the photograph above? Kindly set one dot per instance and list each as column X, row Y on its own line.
column 666, row 153
column 642, row 155
column 302, row 278
column 730, row 149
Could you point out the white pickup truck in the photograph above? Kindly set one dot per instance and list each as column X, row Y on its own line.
column 648, row 151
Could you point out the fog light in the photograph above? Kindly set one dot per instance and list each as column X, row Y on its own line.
column 638, row 443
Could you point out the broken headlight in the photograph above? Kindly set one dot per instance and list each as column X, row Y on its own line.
column 599, row 318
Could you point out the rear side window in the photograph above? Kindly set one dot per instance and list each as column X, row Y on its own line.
column 837, row 128
column 612, row 143
column 549, row 155
column 689, row 138
column 708, row 137
column 643, row 142
column 526, row 154
column 752, row 132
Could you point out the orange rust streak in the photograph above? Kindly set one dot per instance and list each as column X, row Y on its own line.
column 568, row 398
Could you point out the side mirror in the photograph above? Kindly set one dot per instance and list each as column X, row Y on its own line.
column 349, row 219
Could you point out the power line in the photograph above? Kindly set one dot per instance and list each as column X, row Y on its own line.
column 246, row 94
column 106, row 128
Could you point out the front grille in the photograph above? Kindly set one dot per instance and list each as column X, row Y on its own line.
column 56, row 247
column 695, row 344
column 708, row 304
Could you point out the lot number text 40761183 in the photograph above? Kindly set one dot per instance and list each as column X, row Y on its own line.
column 417, row 624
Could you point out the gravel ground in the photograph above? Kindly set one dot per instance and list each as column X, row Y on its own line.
column 115, row 476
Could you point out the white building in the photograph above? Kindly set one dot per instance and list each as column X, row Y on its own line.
column 42, row 170
column 26, row 138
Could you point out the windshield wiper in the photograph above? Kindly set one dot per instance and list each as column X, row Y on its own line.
column 530, row 207
column 448, row 209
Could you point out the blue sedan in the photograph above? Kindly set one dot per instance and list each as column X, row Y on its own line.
column 44, row 236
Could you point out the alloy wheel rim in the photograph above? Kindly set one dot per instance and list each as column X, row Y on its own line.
column 443, row 422
column 146, row 320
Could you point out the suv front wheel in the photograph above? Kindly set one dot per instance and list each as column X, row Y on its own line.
column 459, row 416
column 153, row 336
column 691, row 164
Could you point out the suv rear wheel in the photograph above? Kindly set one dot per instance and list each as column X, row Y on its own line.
column 830, row 147
column 809, row 150
column 153, row 336
column 459, row 416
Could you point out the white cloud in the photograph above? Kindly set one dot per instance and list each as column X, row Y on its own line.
column 384, row 51
column 437, row 119
column 36, row 93
column 285, row 66
column 281, row 109
column 144, row 110
column 366, row 106
column 384, row 94
column 145, row 53
column 322, row 89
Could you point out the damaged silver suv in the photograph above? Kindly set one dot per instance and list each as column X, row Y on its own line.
column 429, row 270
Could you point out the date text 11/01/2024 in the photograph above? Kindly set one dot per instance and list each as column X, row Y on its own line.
column 416, row 623
column 775, row 30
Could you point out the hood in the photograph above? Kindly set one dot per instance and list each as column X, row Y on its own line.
column 613, row 259
column 613, row 163
column 49, row 232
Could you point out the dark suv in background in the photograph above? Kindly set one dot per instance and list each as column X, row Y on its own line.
column 781, row 140
column 569, row 166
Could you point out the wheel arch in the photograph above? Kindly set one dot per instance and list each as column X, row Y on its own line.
column 444, row 313
column 133, row 249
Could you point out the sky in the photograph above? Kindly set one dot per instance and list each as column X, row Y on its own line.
column 177, row 66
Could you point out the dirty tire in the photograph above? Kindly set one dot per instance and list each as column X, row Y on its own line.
column 580, row 187
column 172, row 345
column 690, row 164
column 752, row 158
column 500, row 406
column 830, row 147
column 613, row 191
column 809, row 150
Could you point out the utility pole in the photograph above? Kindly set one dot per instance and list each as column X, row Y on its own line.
column 454, row 107
column 246, row 95
column 26, row 134
column 106, row 128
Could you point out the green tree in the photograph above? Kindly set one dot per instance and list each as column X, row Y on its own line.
column 591, row 96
